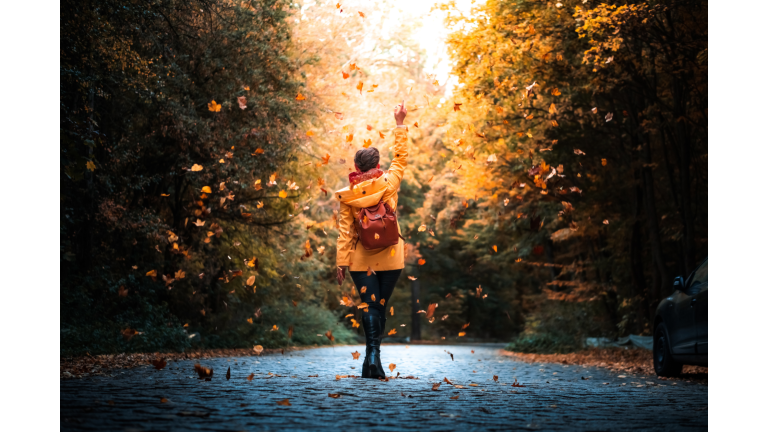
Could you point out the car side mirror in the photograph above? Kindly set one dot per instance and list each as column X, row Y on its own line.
column 677, row 285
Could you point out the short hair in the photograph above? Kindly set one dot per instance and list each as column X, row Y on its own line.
column 367, row 158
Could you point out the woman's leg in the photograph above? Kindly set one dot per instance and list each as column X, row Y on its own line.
column 387, row 281
column 369, row 290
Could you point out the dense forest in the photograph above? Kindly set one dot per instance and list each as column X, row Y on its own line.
column 552, row 194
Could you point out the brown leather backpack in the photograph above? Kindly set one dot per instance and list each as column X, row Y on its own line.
column 377, row 227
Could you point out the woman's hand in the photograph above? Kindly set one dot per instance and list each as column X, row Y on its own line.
column 400, row 113
column 341, row 273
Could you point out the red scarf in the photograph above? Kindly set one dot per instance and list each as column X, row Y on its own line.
column 359, row 177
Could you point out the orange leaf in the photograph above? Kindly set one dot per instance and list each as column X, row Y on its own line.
column 391, row 332
column 362, row 14
column 457, row 106
column 436, row 386
column 367, row 143
column 213, row 106
column 355, row 355
column 462, row 334
column 242, row 102
column 344, row 75
column 392, row 367
column 284, row 402
column 360, row 87
column 422, row 261
column 299, row 97
column 381, row 135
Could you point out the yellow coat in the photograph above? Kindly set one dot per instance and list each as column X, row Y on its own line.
column 366, row 194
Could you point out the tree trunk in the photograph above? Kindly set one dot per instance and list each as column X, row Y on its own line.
column 661, row 281
column 415, row 322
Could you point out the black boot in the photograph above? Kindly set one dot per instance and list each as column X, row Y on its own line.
column 366, row 372
column 372, row 326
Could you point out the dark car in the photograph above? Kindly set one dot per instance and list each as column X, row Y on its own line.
column 680, row 328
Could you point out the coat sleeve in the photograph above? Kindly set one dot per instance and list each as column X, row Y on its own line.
column 346, row 239
column 399, row 162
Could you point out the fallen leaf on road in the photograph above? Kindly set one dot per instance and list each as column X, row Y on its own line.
column 203, row 372
column 250, row 377
column 447, row 381
column 334, row 395
column 163, row 400
column 517, row 384
column 450, row 355
column 284, row 402
column 355, row 355
column 392, row 367
column 455, row 397
column 391, row 332
column 435, row 386
column 495, row 378
column 473, row 385
column 459, row 386
column 159, row 363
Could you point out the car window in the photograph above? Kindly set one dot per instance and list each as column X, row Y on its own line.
column 699, row 280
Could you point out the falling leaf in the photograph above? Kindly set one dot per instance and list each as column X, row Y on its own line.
column 605, row 222
column 392, row 367
column 392, row 311
column 206, row 189
column 361, row 14
column 578, row 152
column 373, row 297
column 422, row 228
column 367, row 143
column 604, row 161
column 283, row 194
column 284, row 402
column 416, row 124
column 360, row 87
column 152, row 273
column 122, row 292
column 355, row 355
column 159, row 363
column 213, row 106
column 495, row 249
column 370, row 271
column 258, row 349
column 381, row 135
column 199, row 223
column 450, row 354
column 431, row 310
column 274, row 327
column 462, row 334
column 457, row 106
column 242, row 102
column 363, row 289
column 90, row 165
column 608, row 117
column 412, row 278
column 555, row 92
column 300, row 97
column 344, row 75
column 391, row 332
column 422, row 261
column 362, row 305
column 382, row 301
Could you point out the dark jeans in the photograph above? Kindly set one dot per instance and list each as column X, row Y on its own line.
column 377, row 286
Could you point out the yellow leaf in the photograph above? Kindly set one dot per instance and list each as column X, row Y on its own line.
column 259, row 204
column 552, row 109
column 213, row 106
column 495, row 249
column 90, row 165
column 196, row 167
column 206, row 189
column 152, row 273
column 422, row 228
column 283, row 194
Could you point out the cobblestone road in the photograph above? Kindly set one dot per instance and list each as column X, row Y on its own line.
column 555, row 397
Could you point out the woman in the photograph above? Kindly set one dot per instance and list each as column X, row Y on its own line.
column 371, row 186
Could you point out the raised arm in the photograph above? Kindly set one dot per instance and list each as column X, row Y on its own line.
column 400, row 150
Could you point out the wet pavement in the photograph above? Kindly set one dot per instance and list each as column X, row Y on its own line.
column 554, row 396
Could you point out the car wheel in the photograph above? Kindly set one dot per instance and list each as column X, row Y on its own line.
column 663, row 362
